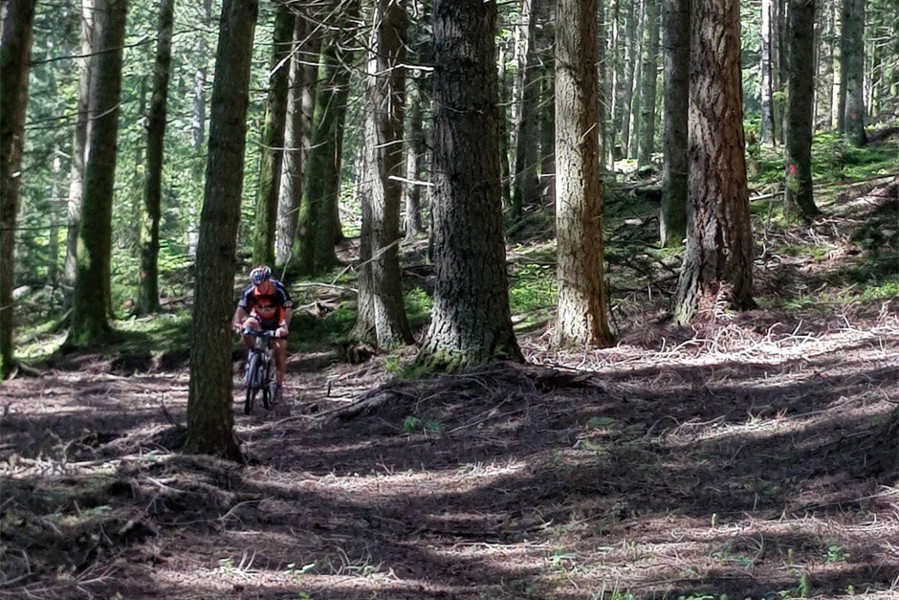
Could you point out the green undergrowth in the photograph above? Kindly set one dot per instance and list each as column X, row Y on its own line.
column 869, row 271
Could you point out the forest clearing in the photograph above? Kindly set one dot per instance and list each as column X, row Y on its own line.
column 747, row 456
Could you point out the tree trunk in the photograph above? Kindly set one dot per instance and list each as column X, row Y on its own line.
column 824, row 62
column 93, row 296
column 15, row 60
column 852, row 70
column 717, row 268
column 547, row 109
column 272, row 155
column 91, row 30
column 602, row 89
column 198, row 121
column 581, row 319
column 148, row 286
column 766, row 63
column 779, row 69
column 649, row 80
column 381, row 317
column 56, row 181
column 210, row 416
column 318, row 227
column 798, row 200
column 548, row 134
column 298, row 129
column 626, row 84
column 673, row 212
column 526, row 191
column 471, row 321
column 415, row 152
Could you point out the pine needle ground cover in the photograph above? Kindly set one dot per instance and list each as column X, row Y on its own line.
column 752, row 455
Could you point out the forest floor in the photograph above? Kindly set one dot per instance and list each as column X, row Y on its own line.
column 750, row 455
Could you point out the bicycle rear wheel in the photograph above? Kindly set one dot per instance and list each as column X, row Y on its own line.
column 252, row 382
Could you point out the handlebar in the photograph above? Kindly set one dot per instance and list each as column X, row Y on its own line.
column 262, row 333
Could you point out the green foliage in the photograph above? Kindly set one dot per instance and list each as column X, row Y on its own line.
column 418, row 306
column 413, row 424
column 835, row 554
column 532, row 287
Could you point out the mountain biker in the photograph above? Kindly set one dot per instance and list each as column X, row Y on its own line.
column 265, row 305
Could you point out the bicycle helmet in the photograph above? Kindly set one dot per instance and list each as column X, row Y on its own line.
column 260, row 274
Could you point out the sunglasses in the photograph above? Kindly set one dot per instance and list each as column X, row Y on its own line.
column 265, row 307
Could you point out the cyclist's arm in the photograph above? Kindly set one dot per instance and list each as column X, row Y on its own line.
column 240, row 315
column 243, row 309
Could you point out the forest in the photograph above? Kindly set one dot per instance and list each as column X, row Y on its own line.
column 592, row 299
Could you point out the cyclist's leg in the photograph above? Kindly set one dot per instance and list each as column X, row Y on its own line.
column 251, row 323
column 279, row 355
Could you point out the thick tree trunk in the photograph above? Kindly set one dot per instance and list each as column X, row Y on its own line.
column 15, row 41
column 581, row 319
column 717, row 268
column 380, row 316
column 272, row 155
column 471, row 321
column 297, row 136
column 852, row 70
column 798, row 199
column 673, row 212
column 93, row 296
column 148, row 286
column 210, row 416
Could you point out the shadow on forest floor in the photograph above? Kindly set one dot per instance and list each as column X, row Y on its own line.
column 751, row 455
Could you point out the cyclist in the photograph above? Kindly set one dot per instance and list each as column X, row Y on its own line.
column 265, row 305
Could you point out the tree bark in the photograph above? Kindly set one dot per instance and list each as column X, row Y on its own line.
column 15, row 53
column 415, row 152
column 318, row 228
column 148, row 286
column 581, row 319
column 649, row 81
column 852, row 71
column 673, row 212
column 798, row 199
column 198, row 121
column 526, row 191
column 717, row 268
column 91, row 31
column 93, row 296
column 471, row 322
column 380, row 316
column 272, row 155
column 210, row 416
column 766, row 63
column 298, row 129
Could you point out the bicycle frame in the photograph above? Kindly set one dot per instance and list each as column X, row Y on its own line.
column 260, row 370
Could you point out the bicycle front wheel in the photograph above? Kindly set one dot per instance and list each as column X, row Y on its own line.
column 267, row 386
column 252, row 382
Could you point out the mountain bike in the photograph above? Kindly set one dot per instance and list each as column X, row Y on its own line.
column 260, row 371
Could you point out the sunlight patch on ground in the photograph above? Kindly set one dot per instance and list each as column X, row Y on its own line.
column 398, row 484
